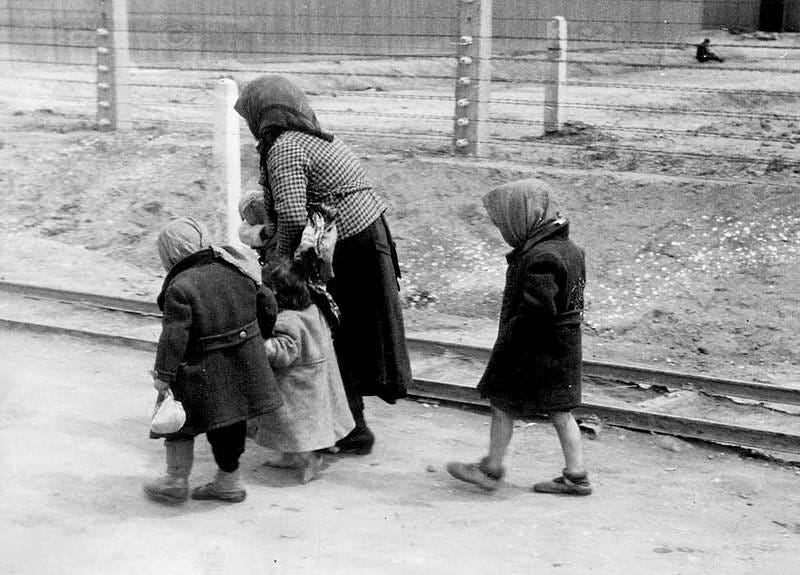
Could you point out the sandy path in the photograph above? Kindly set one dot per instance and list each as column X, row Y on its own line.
column 73, row 454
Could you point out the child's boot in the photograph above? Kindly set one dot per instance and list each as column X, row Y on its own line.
column 567, row 484
column 227, row 486
column 173, row 487
column 479, row 474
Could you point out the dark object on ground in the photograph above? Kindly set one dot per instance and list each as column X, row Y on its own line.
column 704, row 53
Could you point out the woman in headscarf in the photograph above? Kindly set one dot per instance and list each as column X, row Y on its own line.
column 211, row 355
column 535, row 365
column 301, row 166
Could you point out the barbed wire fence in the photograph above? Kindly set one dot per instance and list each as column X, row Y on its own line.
column 634, row 102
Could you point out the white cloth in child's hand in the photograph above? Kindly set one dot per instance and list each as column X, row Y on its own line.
column 160, row 385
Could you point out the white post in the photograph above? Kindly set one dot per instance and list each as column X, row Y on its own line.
column 113, row 61
column 554, row 89
column 106, row 77
column 227, row 153
column 473, row 76
column 484, row 75
column 122, row 62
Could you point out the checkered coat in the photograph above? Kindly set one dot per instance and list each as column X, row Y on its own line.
column 302, row 169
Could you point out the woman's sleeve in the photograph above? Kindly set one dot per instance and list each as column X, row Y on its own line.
column 175, row 325
column 283, row 348
column 286, row 167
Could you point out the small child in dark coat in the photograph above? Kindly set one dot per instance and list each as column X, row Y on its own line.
column 535, row 365
column 216, row 315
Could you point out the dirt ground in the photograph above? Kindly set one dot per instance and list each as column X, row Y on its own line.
column 73, row 419
column 693, row 263
column 684, row 273
column 692, row 267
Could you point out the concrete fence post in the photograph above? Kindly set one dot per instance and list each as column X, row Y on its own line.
column 122, row 63
column 557, row 75
column 473, row 76
column 227, row 153
column 113, row 63
column 106, row 77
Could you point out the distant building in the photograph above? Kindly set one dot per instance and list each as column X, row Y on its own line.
column 750, row 15
column 193, row 30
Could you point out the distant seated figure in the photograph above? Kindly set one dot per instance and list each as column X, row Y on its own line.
column 704, row 53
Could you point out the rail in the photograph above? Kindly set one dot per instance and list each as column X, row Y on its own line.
column 430, row 389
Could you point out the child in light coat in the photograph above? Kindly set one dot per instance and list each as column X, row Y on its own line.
column 315, row 413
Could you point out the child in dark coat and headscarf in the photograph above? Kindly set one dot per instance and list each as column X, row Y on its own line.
column 211, row 355
column 535, row 365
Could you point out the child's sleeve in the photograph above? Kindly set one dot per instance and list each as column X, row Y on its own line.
column 266, row 310
column 539, row 288
column 283, row 348
column 175, row 325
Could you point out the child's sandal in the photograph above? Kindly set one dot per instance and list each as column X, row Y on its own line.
column 477, row 473
column 567, row 484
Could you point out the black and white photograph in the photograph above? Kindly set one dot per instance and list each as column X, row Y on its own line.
column 400, row 287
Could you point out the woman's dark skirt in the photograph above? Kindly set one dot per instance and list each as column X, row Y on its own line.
column 370, row 342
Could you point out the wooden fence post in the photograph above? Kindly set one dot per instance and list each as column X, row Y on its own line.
column 473, row 76
column 113, row 63
column 227, row 153
column 554, row 87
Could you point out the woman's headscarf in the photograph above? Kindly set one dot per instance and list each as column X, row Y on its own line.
column 521, row 209
column 271, row 103
column 179, row 238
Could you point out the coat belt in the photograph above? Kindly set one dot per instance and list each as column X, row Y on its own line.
column 230, row 338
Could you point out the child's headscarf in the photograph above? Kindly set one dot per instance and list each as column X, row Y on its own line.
column 179, row 238
column 273, row 102
column 521, row 209
column 185, row 236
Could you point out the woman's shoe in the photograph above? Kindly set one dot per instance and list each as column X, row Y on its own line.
column 357, row 442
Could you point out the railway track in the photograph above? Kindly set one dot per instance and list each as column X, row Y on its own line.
column 757, row 416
